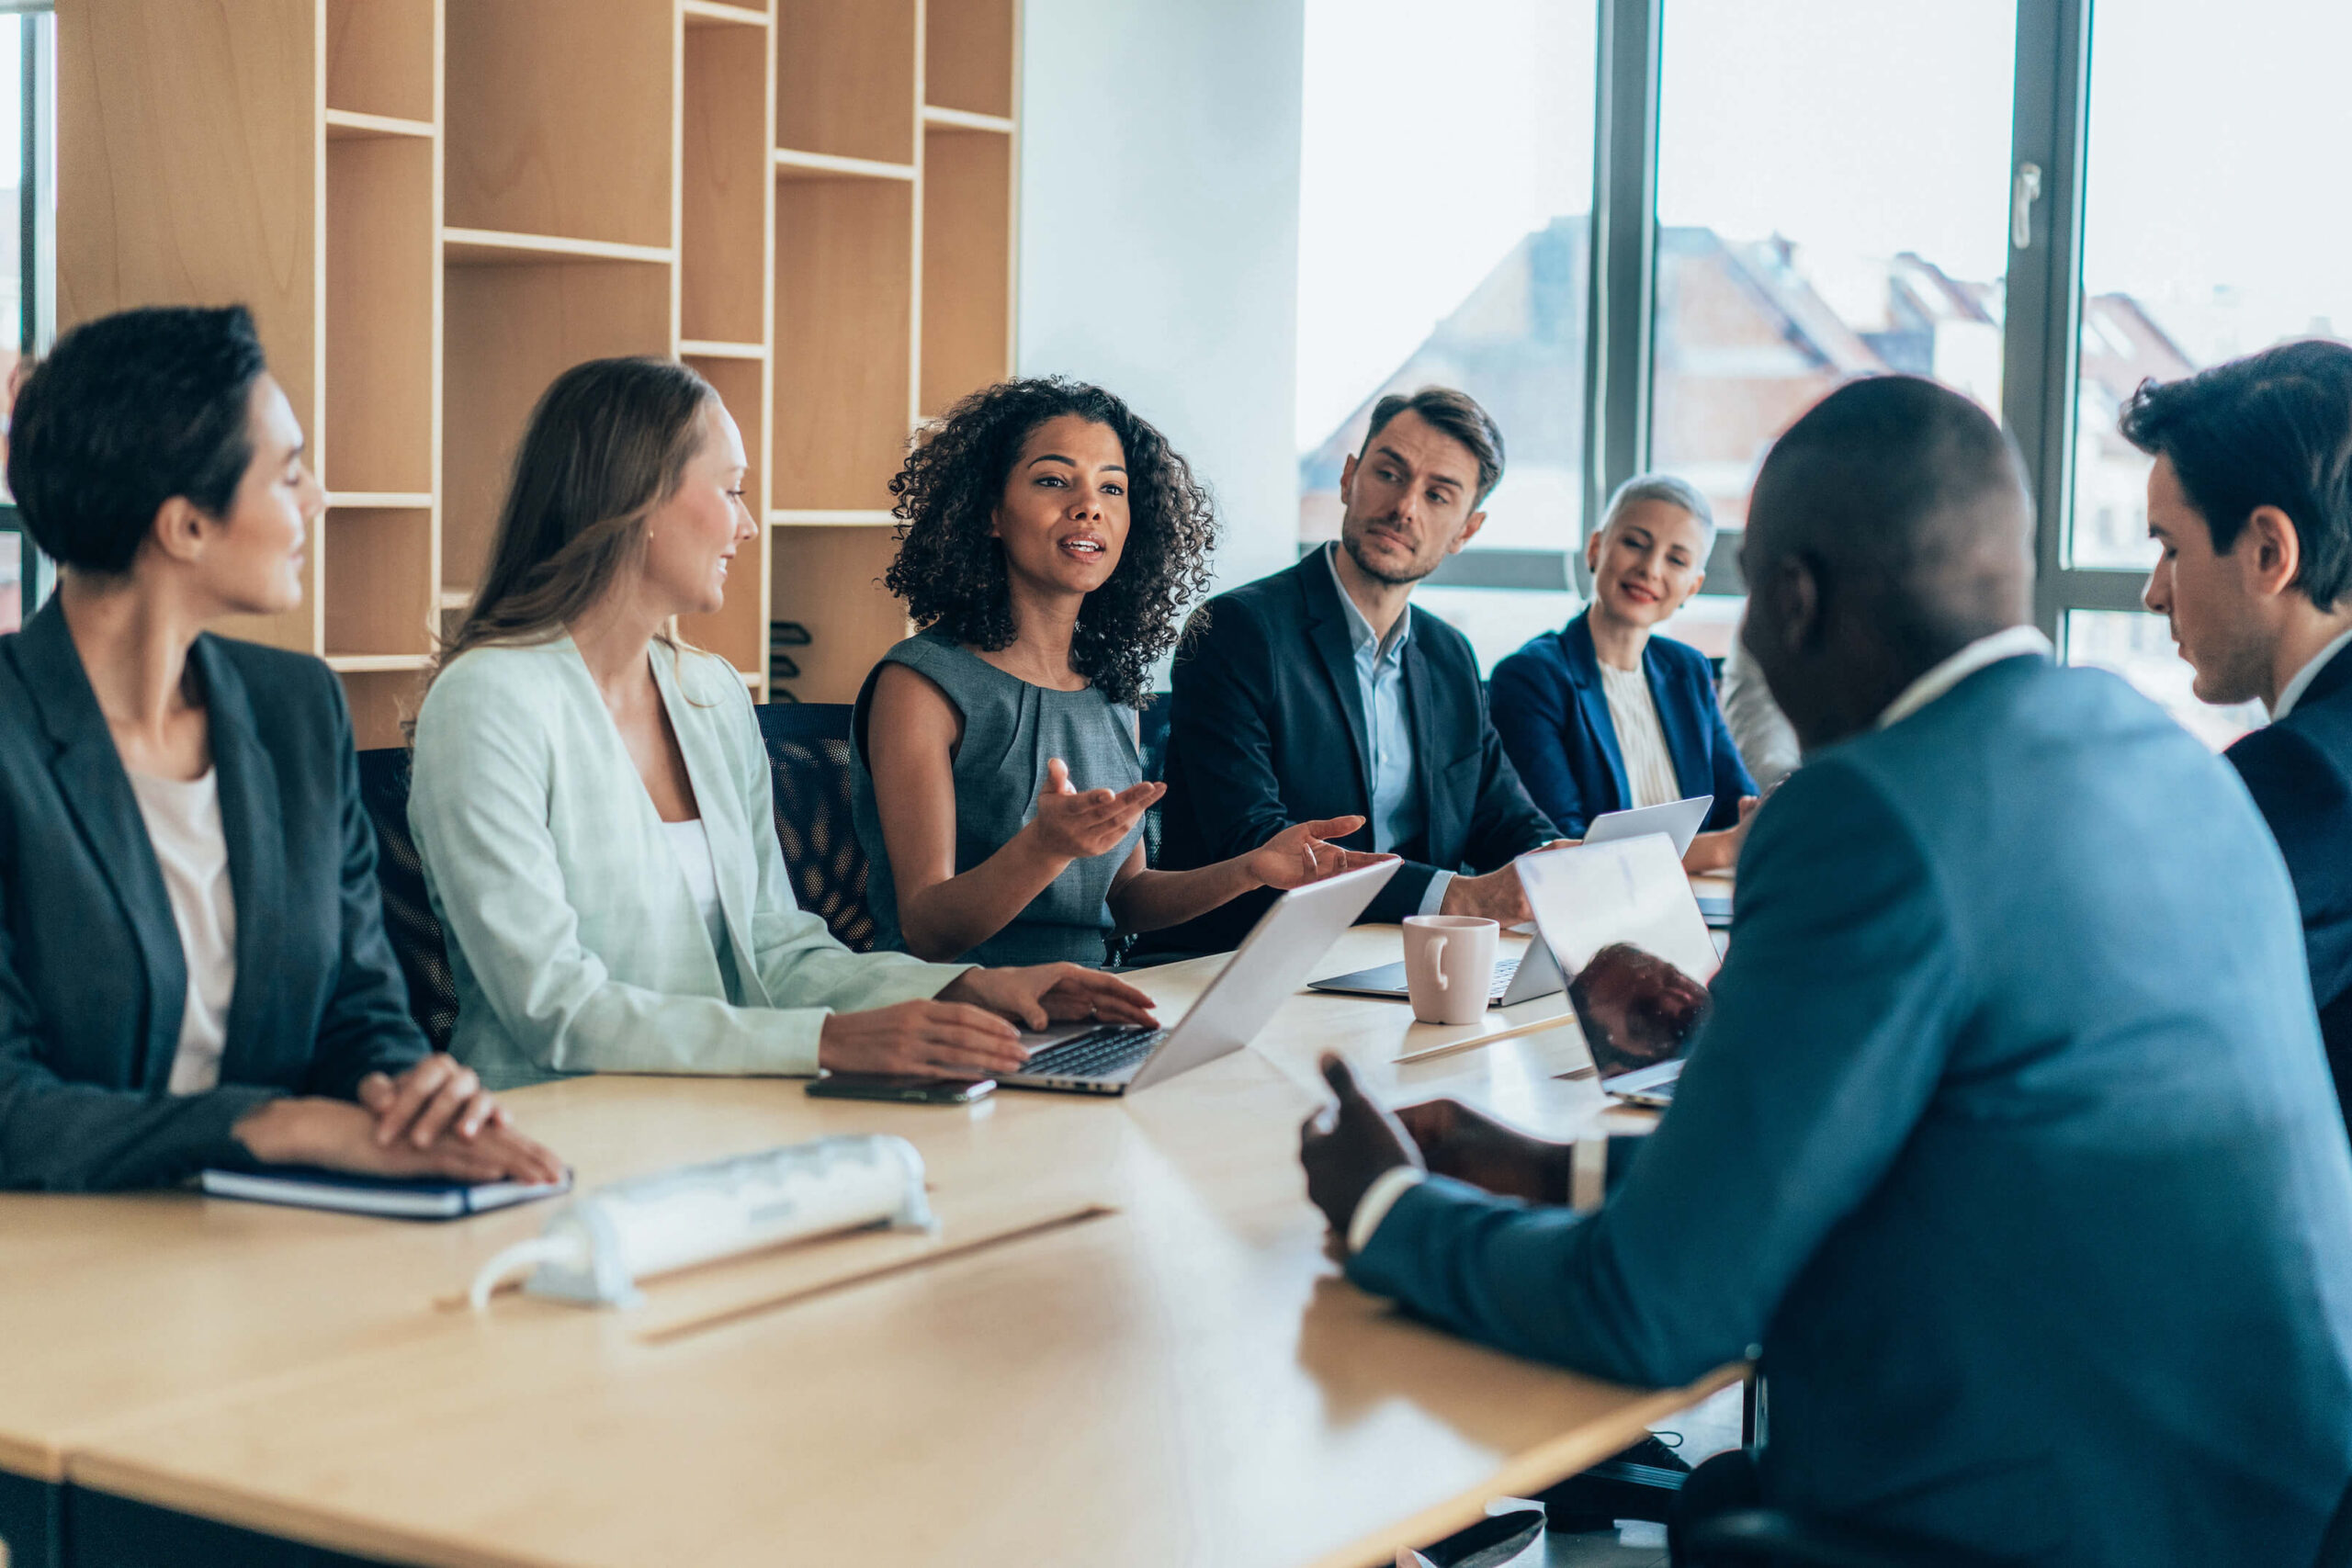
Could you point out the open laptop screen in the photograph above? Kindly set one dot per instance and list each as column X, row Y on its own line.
column 1621, row 920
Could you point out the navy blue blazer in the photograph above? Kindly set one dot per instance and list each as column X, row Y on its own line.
column 1266, row 728
column 1553, row 716
column 2299, row 771
column 92, row 975
column 2007, row 1141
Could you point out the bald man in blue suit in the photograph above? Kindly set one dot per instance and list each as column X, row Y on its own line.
column 2008, row 1140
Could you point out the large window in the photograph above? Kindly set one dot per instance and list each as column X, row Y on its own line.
column 28, row 249
column 2036, row 204
column 1445, row 187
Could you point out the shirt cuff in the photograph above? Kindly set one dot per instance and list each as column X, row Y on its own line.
column 1378, row 1199
column 1433, row 895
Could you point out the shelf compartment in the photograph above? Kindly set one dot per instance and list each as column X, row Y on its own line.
column 701, row 14
column 968, row 56
column 383, row 274
column 845, row 78
column 829, row 580
column 507, row 332
column 844, row 315
column 561, row 119
column 379, row 584
column 383, row 700
column 967, row 220
column 792, row 165
column 727, row 185
column 492, row 247
column 380, row 61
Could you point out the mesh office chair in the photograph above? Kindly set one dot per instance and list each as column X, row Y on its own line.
column 409, row 920
column 809, row 758
column 1151, row 741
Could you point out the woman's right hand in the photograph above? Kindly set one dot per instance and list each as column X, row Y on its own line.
column 1075, row 826
column 339, row 1135
column 930, row 1039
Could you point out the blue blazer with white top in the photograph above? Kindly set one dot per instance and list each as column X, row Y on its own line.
column 1553, row 716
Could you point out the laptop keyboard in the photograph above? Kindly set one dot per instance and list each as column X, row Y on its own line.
column 1506, row 970
column 1097, row 1053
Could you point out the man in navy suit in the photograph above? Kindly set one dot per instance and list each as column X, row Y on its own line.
column 2250, row 501
column 2006, row 1145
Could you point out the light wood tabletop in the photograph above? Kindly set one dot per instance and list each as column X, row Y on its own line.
column 1184, row 1378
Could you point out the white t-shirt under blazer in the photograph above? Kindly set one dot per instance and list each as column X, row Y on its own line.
column 184, row 825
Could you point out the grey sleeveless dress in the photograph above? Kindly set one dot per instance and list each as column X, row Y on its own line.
column 1011, row 728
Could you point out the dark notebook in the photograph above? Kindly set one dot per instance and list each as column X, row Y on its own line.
column 424, row 1198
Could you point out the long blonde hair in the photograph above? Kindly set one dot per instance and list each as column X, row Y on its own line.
column 608, row 443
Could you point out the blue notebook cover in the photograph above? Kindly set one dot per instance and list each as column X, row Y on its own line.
column 423, row 1199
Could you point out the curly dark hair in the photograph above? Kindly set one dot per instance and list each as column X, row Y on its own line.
column 950, row 569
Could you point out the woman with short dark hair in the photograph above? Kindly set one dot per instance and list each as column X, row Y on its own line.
column 193, row 967
column 1050, row 542
column 592, row 796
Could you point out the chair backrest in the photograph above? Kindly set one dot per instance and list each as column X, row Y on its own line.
column 415, row 932
column 809, row 757
column 1151, row 738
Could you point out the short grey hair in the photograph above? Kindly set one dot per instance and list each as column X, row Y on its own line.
column 1674, row 492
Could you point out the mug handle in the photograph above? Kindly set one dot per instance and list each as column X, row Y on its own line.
column 1437, row 963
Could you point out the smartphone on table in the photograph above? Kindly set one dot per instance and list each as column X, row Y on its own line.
column 907, row 1089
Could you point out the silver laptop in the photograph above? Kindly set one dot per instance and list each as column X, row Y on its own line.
column 1519, row 978
column 1621, row 923
column 1265, row 971
column 1678, row 820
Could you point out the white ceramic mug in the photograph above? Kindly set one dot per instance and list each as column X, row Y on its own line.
column 1450, row 966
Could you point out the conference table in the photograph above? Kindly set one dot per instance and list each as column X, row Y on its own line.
column 1127, row 1342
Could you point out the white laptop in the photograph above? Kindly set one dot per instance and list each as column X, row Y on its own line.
column 1265, row 971
column 1621, row 923
column 1521, row 978
column 1678, row 820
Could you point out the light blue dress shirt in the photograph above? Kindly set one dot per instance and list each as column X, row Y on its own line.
column 1398, row 814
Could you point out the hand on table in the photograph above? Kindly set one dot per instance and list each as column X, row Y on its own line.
column 439, row 1095
column 339, row 1135
column 1346, row 1147
column 1040, row 994
column 1302, row 853
column 943, row 1038
column 1498, row 896
column 1074, row 826
column 1472, row 1147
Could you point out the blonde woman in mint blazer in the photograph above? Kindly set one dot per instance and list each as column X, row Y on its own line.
column 591, row 798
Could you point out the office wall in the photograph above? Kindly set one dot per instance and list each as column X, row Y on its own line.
column 1159, row 234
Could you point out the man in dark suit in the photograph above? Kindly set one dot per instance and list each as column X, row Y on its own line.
column 1319, row 692
column 2007, row 1138
column 2250, row 501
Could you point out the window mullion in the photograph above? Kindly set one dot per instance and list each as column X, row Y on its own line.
column 1623, row 253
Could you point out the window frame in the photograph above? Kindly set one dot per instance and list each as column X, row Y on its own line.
column 37, row 240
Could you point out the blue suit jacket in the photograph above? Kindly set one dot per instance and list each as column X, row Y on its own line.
column 1554, row 719
column 2007, row 1141
column 2300, row 772
column 92, row 975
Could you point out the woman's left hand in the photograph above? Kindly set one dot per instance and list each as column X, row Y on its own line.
column 1302, row 853
column 436, row 1096
column 1041, row 994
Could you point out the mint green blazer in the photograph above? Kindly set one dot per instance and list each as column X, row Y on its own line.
column 574, row 939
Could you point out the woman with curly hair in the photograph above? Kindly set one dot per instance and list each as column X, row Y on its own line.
column 1049, row 542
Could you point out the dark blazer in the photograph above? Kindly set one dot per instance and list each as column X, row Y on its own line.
column 1553, row 716
column 1267, row 728
column 92, row 976
column 2299, row 771
column 2006, row 1140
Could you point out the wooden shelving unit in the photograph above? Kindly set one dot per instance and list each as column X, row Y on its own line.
column 435, row 206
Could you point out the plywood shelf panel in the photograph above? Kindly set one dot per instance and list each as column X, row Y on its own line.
column 844, row 517
column 377, row 663
column 968, row 55
column 845, row 78
column 726, row 187
column 704, row 348
column 379, row 500
column 967, row 221
column 935, row 117
column 792, row 165
column 350, row 125
column 562, row 117
column 383, row 274
column 845, row 311
column 716, row 14
column 491, row 247
column 382, row 61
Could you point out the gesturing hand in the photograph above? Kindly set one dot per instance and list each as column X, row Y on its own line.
column 1346, row 1146
column 1471, row 1146
column 1080, row 826
column 1040, row 994
column 1302, row 853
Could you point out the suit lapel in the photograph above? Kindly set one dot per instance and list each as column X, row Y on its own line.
column 1583, row 674
column 97, row 792
column 2333, row 677
column 1677, row 723
column 1327, row 628
column 252, row 828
